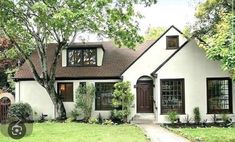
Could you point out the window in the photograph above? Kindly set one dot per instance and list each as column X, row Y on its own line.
column 172, row 95
column 83, row 84
column 219, row 95
column 66, row 91
column 103, row 99
column 81, row 57
column 172, row 42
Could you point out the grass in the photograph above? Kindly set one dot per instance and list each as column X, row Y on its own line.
column 80, row 132
column 212, row 134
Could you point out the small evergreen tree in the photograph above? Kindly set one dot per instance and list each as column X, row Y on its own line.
column 84, row 100
column 122, row 101
column 197, row 115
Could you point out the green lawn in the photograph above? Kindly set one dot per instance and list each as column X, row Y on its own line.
column 213, row 134
column 79, row 132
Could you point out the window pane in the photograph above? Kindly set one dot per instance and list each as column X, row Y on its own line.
column 89, row 57
column 70, row 57
column 66, row 91
column 79, row 57
column 172, row 96
column 104, row 96
column 218, row 95
column 172, row 42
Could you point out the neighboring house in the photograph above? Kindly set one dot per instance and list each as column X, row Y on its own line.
column 170, row 73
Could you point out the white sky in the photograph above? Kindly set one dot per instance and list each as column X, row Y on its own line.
column 164, row 14
column 168, row 12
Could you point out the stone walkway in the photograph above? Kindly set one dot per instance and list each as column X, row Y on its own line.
column 159, row 134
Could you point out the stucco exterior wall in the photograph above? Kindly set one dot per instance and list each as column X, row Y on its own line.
column 150, row 60
column 32, row 93
column 100, row 54
column 64, row 58
column 191, row 64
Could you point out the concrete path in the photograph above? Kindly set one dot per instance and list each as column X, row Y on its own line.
column 159, row 134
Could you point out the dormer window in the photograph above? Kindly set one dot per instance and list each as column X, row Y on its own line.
column 172, row 42
column 82, row 57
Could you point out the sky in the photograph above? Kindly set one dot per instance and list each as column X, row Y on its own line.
column 166, row 13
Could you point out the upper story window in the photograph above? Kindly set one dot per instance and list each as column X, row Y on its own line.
column 172, row 42
column 81, row 57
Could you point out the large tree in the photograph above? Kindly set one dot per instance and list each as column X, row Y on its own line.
column 153, row 33
column 215, row 25
column 33, row 24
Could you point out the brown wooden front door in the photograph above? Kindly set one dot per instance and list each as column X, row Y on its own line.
column 144, row 97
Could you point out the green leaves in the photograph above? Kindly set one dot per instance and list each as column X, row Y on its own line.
column 122, row 100
column 215, row 22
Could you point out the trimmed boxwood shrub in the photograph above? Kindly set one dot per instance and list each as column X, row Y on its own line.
column 22, row 111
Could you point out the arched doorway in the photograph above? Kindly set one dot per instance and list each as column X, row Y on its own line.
column 5, row 102
column 144, row 91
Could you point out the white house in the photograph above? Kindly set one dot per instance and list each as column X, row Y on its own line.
column 166, row 74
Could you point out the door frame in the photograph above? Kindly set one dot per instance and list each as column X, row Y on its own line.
column 146, row 82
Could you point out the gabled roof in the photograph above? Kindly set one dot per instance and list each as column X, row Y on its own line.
column 169, row 58
column 154, row 43
column 182, row 46
column 115, row 61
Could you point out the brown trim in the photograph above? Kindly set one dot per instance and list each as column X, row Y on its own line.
column 75, row 78
column 183, row 96
column 86, row 45
column 154, row 44
column 167, row 42
column 82, row 60
column 230, row 110
column 58, row 83
column 172, row 55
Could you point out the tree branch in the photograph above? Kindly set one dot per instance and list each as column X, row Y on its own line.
column 30, row 63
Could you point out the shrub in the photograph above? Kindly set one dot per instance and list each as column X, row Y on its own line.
column 172, row 116
column 224, row 117
column 108, row 122
column 69, row 120
column 197, row 115
column 84, row 100
column 122, row 101
column 93, row 121
column 20, row 111
column 74, row 114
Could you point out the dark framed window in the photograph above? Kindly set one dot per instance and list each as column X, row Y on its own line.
column 219, row 95
column 172, row 42
column 172, row 95
column 104, row 95
column 82, row 84
column 65, row 90
column 82, row 57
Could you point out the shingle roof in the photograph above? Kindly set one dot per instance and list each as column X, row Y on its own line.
column 115, row 61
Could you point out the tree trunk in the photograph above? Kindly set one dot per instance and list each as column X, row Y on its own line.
column 58, row 102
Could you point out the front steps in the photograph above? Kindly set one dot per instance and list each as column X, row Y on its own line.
column 143, row 118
